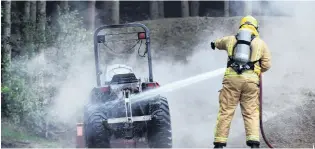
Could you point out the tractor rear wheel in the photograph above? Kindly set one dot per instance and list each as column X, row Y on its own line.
column 97, row 136
column 159, row 128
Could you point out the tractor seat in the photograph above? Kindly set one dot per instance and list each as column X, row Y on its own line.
column 124, row 78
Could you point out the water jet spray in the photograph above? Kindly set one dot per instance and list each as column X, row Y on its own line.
column 176, row 85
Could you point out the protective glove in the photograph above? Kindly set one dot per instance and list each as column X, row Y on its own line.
column 213, row 45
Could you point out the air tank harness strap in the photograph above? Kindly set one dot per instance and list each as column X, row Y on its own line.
column 241, row 68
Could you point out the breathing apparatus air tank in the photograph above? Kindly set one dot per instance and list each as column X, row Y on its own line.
column 242, row 49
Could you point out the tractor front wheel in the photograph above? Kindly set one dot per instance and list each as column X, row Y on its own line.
column 97, row 136
column 159, row 128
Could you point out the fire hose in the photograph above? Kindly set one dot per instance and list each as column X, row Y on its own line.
column 260, row 115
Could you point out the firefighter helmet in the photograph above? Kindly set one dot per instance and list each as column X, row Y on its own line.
column 249, row 20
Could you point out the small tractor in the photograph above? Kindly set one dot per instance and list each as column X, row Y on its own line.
column 111, row 119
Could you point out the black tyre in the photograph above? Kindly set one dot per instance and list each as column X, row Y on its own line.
column 96, row 135
column 159, row 128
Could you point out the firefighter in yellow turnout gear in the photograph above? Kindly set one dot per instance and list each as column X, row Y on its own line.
column 248, row 57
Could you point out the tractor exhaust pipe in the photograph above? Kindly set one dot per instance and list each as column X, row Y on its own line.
column 260, row 113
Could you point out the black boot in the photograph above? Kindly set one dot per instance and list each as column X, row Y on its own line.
column 253, row 144
column 219, row 145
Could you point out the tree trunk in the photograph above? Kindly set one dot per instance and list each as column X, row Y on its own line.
column 27, row 8
column 257, row 5
column 226, row 8
column 185, row 8
column 16, row 29
column 41, row 24
column 41, row 59
column 64, row 5
column 6, row 49
column 106, row 13
column 154, row 10
column 92, row 14
column 33, row 12
column 247, row 8
column 161, row 9
column 26, row 25
column 111, row 10
column 194, row 8
column 115, row 12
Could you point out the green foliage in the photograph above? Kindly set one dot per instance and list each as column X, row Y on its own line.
column 5, row 89
column 34, row 75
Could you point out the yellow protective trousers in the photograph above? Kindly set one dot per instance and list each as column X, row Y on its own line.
column 238, row 89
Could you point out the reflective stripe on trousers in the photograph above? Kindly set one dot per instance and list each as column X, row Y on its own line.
column 252, row 138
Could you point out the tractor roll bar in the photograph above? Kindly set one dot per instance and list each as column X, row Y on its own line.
column 96, row 50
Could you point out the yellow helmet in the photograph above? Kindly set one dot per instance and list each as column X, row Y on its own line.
column 250, row 20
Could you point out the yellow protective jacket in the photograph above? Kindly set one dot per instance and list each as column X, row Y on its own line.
column 260, row 51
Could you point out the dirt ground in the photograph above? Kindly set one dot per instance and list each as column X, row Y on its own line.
column 293, row 128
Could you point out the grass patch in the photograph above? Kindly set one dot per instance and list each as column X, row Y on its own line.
column 21, row 138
